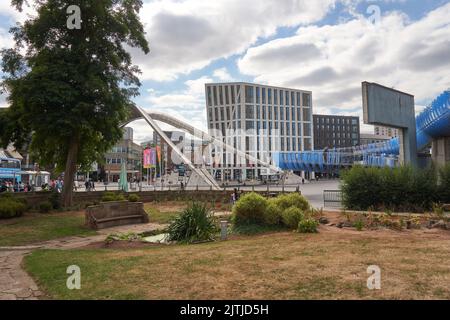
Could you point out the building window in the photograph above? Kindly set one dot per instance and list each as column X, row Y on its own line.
column 287, row 98
column 306, row 100
column 221, row 95
column 307, row 129
column 275, row 97
column 281, row 98
column 215, row 95
column 269, row 96
column 306, row 114
column 249, row 112
column 209, row 93
column 307, row 144
column 249, row 97
column 227, row 98
column 258, row 95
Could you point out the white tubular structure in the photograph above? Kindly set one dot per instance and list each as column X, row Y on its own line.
column 151, row 117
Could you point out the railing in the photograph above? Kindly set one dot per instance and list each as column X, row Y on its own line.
column 332, row 199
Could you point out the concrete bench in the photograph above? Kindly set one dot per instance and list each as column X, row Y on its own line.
column 115, row 213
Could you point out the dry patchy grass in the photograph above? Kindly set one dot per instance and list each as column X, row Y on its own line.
column 328, row 265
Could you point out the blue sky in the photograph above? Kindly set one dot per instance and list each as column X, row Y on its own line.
column 326, row 46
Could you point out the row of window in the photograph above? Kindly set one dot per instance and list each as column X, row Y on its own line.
column 336, row 143
column 282, row 144
column 323, row 120
column 119, row 161
column 231, row 94
column 284, row 129
column 259, row 112
column 324, row 130
column 9, row 164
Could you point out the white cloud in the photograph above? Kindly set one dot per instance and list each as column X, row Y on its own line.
column 332, row 61
column 189, row 35
column 222, row 74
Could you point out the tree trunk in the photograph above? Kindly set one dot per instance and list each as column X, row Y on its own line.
column 69, row 173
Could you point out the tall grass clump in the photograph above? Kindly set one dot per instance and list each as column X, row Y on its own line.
column 195, row 224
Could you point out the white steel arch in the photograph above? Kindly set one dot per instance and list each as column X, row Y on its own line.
column 151, row 117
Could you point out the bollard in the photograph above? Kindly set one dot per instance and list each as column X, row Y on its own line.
column 223, row 230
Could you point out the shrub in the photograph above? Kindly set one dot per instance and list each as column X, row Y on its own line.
column 133, row 198
column 292, row 216
column 397, row 189
column 249, row 209
column 55, row 200
column 359, row 224
column 307, row 226
column 196, row 223
column 45, row 207
column 444, row 183
column 11, row 208
column 286, row 201
column 272, row 214
column 111, row 196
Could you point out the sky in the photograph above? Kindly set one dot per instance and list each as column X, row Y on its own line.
column 326, row 46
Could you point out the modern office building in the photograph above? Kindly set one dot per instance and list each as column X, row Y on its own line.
column 125, row 151
column 334, row 131
column 259, row 120
column 386, row 131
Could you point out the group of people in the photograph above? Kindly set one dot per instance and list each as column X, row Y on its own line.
column 9, row 186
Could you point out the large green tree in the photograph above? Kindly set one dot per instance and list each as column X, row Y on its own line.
column 69, row 89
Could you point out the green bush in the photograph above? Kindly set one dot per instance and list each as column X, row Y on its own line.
column 286, row 201
column 397, row 189
column 273, row 213
column 307, row 226
column 196, row 223
column 444, row 184
column 111, row 196
column 45, row 207
column 292, row 216
column 249, row 209
column 133, row 198
column 11, row 208
column 55, row 200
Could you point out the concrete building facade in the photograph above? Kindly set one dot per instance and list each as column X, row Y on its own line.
column 259, row 120
column 334, row 131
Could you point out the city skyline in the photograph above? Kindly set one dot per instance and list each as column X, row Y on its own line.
column 328, row 47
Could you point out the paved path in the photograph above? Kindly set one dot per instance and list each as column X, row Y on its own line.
column 16, row 284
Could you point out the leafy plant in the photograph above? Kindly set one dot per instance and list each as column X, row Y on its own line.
column 111, row 196
column 249, row 209
column 308, row 226
column 273, row 213
column 286, row 201
column 359, row 224
column 45, row 207
column 133, row 198
column 11, row 207
column 397, row 189
column 292, row 216
column 196, row 223
column 438, row 210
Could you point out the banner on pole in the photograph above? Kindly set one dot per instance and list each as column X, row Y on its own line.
column 149, row 158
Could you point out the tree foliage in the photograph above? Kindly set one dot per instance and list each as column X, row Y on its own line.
column 69, row 90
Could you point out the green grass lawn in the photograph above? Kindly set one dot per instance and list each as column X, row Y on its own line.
column 161, row 217
column 329, row 265
column 34, row 228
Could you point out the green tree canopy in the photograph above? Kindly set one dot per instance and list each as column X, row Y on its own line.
column 70, row 89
